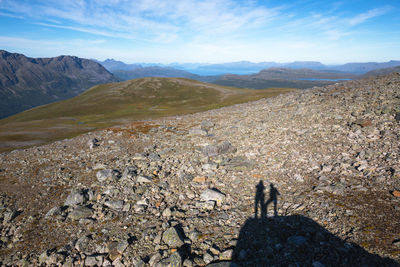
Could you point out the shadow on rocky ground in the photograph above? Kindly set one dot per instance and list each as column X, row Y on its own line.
column 293, row 240
column 300, row 241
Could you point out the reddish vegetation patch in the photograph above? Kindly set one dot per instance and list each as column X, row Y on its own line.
column 133, row 129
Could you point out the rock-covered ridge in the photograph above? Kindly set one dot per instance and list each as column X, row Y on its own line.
column 28, row 82
column 182, row 190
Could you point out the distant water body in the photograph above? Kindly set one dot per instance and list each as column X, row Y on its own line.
column 207, row 72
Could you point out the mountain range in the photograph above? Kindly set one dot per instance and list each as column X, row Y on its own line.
column 247, row 67
column 28, row 82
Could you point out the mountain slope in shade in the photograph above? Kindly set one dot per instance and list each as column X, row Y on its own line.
column 28, row 82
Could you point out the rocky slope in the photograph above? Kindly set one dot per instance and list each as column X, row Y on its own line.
column 28, row 82
column 321, row 166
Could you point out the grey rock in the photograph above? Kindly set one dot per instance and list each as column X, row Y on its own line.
column 83, row 244
column 209, row 166
column 103, row 175
column 397, row 117
column 200, row 132
column 43, row 257
column 94, row 260
column 53, row 211
column 208, row 205
column 207, row 258
column 226, row 255
column 396, row 243
column 172, row 238
column 116, row 249
column 175, row 260
column 207, row 125
column 55, row 258
column 140, row 156
column 222, row 148
column 188, row 263
column 143, row 179
column 154, row 157
column 80, row 212
column 122, row 245
column 116, row 175
column 129, row 172
column 154, row 259
column 93, row 143
column 76, row 197
column 167, row 212
column 194, row 235
column 213, row 195
column 9, row 216
column 115, row 204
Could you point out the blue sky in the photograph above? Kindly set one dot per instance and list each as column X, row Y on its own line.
column 211, row 31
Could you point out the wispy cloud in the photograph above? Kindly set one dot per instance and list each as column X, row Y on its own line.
column 10, row 15
column 197, row 29
column 148, row 18
column 361, row 18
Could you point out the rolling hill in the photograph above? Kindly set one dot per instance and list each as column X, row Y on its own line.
column 116, row 103
column 154, row 71
column 283, row 77
column 28, row 82
column 383, row 71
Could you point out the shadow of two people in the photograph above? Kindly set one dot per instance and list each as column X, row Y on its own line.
column 293, row 241
column 260, row 198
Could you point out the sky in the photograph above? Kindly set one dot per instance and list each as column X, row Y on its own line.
column 204, row 31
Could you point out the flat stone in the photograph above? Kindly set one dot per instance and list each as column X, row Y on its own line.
column 94, row 261
column 213, row 195
column 115, row 204
column 144, row 179
column 80, row 212
column 201, row 132
column 396, row 193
